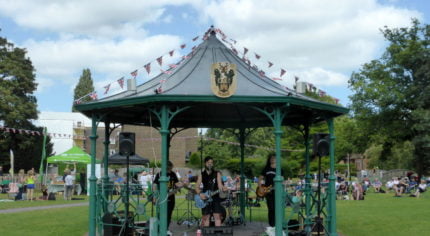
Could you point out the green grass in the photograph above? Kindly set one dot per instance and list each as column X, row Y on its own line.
column 378, row 214
column 21, row 204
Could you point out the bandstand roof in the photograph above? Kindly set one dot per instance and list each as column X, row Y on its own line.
column 189, row 85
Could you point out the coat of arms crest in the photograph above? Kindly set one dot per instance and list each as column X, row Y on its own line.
column 223, row 79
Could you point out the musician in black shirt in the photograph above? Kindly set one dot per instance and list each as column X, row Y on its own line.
column 172, row 187
column 211, row 180
column 266, row 180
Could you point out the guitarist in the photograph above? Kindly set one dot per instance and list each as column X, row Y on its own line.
column 172, row 186
column 266, row 180
column 211, row 181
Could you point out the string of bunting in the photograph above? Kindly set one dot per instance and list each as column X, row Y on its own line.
column 231, row 42
column 37, row 133
column 147, row 67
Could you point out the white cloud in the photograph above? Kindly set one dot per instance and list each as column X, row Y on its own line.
column 58, row 60
column 101, row 18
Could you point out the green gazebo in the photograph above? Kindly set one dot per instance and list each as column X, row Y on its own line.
column 215, row 88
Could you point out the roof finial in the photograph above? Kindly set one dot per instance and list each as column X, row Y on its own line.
column 212, row 30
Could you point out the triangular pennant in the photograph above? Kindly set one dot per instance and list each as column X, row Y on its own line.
column 93, row 95
column 257, row 56
column 171, row 53
column 160, row 61
column 194, row 39
column 107, row 88
column 148, row 68
column 245, row 50
column 121, row 82
column 134, row 73
column 270, row 64
column 296, row 78
column 282, row 72
column 183, row 46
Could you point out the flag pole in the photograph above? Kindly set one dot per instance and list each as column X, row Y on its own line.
column 43, row 156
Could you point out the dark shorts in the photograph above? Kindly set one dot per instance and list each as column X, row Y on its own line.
column 30, row 186
column 213, row 207
column 421, row 190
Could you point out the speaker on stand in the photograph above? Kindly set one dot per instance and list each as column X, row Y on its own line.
column 127, row 148
column 321, row 147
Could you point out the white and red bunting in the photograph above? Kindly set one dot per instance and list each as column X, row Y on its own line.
column 173, row 66
column 107, row 87
column 121, row 82
column 147, row 68
column 171, row 53
column 134, row 73
column 93, row 95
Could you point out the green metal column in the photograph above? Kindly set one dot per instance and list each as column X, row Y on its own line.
column 331, row 221
column 106, row 164
column 308, row 187
column 93, row 179
column 279, row 204
column 164, row 131
column 242, row 174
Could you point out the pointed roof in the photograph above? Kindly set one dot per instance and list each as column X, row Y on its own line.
column 189, row 84
column 192, row 76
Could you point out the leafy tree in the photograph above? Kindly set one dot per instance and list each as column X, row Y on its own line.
column 84, row 87
column 18, row 108
column 391, row 98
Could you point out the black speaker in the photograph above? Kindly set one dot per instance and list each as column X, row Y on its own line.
column 321, row 145
column 126, row 143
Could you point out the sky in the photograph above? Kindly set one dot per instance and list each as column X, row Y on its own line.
column 320, row 41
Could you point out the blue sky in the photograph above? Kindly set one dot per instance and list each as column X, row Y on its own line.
column 320, row 41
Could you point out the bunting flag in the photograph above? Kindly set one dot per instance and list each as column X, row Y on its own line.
column 171, row 53
column 270, row 64
column 93, row 95
column 296, row 78
column 186, row 57
column 160, row 61
column 183, row 46
column 173, row 66
column 234, row 50
column 148, row 68
column 245, row 50
column 262, row 74
column 121, row 82
column 107, row 87
column 276, row 78
column 282, row 72
column 257, row 56
column 194, row 39
column 134, row 73
column 336, row 100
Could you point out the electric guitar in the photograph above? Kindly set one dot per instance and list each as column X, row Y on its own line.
column 200, row 203
column 262, row 191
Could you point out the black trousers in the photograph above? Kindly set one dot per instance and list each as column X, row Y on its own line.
column 170, row 208
column 270, row 200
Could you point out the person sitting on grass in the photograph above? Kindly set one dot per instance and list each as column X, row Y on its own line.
column 357, row 192
column 399, row 187
column 377, row 185
column 421, row 188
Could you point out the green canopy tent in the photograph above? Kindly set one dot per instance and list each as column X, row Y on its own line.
column 73, row 155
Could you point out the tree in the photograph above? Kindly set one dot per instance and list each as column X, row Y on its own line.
column 391, row 94
column 18, row 107
column 84, row 87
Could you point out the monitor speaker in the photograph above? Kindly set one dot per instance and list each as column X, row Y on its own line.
column 321, row 145
column 126, row 143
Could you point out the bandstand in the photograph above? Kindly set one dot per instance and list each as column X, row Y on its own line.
column 214, row 88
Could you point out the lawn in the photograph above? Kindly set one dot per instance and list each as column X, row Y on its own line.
column 378, row 214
